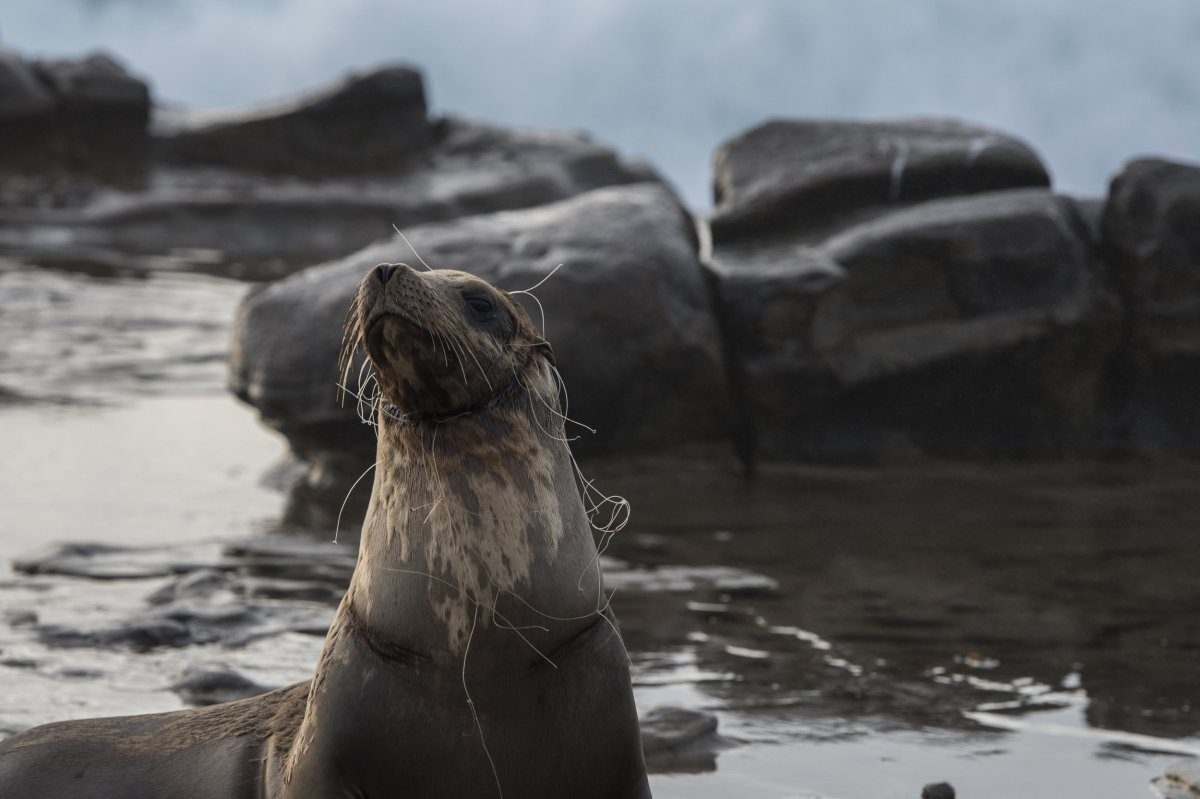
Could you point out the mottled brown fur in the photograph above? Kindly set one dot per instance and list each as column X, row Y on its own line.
column 471, row 655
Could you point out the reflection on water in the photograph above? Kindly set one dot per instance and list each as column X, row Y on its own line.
column 1017, row 630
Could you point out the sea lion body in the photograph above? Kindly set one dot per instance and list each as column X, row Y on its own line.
column 473, row 654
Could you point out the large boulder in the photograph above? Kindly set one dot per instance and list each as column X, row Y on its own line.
column 369, row 123
column 790, row 176
column 83, row 115
column 22, row 94
column 628, row 314
column 1151, row 234
column 976, row 326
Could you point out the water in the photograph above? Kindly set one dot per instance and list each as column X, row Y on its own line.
column 1017, row 630
column 1089, row 84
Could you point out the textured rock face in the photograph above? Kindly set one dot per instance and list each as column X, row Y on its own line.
column 375, row 122
column 788, row 176
column 84, row 114
column 1151, row 233
column 975, row 326
column 628, row 315
column 908, row 288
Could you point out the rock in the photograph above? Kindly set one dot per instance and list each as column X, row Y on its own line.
column 20, row 618
column 366, row 123
column 22, row 95
column 1151, row 240
column 230, row 624
column 785, row 176
column 97, row 81
column 86, row 115
column 676, row 739
column 264, row 227
column 628, row 315
column 199, row 584
column 938, row 790
column 96, row 561
column 214, row 684
column 967, row 327
column 1180, row 781
column 673, row 728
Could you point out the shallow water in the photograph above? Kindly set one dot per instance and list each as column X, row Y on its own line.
column 1018, row 631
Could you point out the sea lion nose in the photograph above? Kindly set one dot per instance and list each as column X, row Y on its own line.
column 384, row 272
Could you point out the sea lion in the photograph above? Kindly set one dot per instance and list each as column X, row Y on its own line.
column 473, row 654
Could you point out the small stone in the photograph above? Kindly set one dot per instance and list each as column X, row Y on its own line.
column 938, row 790
column 1180, row 781
column 214, row 684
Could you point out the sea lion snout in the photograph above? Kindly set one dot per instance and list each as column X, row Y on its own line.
column 385, row 271
column 443, row 342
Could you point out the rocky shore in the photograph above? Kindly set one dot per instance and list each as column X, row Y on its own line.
column 861, row 292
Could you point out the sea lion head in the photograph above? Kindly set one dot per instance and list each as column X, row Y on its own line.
column 443, row 342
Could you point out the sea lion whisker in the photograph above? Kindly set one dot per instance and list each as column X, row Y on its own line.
column 411, row 247
column 338, row 527
column 538, row 284
column 541, row 310
column 471, row 702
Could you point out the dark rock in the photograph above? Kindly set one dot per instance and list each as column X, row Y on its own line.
column 788, row 175
column 21, row 618
column 676, row 740
column 96, row 561
column 262, row 227
column 214, row 684
column 628, row 314
column 373, row 122
column 974, row 327
column 139, row 634
column 94, row 82
column 229, row 624
column 938, row 790
column 294, row 560
column 98, row 121
column 1180, row 781
column 198, row 584
column 673, row 728
column 22, row 94
column 1151, row 234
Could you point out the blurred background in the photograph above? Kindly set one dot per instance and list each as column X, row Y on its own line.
column 1090, row 85
column 901, row 385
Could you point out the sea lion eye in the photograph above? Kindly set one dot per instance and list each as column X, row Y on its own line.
column 480, row 305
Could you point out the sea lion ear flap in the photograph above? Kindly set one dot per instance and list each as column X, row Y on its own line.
column 547, row 352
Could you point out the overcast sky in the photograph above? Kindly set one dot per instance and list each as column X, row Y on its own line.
column 1089, row 83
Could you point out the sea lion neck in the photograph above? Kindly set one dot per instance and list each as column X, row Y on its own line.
column 476, row 527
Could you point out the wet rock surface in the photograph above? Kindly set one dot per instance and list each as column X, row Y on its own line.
column 84, row 114
column 628, row 308
column 374, row 122
column 1151, row 232
column 786, row 176
column 977, row 327
column 214, row 684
